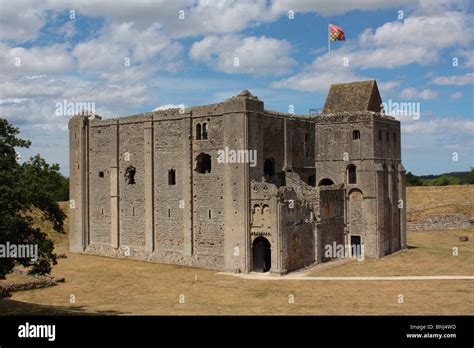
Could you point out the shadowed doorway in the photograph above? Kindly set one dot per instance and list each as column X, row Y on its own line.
column 261, row 255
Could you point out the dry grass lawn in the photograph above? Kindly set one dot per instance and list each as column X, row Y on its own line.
column 114, row 286
column 427, row 200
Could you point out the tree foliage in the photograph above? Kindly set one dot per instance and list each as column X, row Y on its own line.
column 23, row 188
column 454, row 178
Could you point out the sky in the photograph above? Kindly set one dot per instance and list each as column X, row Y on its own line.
column 126, row 57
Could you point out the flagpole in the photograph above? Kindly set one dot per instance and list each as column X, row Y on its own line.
column 329, row 54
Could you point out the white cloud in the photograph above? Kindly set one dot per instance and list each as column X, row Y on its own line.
column 250, row 55
column 413, row 93
column 388, row 86
column 409, row 93
column 19, row 22
column 468, row 55
column 440, row 126
column 169, row 106
column 45, row 60
column 428, row 94
column 454, row 80
column 121, row 46
column 39, row 86
column 332, row 8
column 318, row 75
column 418, row 39
column 456, row 95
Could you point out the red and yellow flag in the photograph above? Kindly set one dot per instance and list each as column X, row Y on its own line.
column 336, row 33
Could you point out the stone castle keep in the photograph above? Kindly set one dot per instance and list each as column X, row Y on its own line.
column 154, row 186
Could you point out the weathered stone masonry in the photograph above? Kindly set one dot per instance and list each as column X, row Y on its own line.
column 151, row 187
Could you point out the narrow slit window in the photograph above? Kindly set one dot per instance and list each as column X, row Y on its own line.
column 204, row 131
column 209, row 214
column 355, row 135
column 171, row 177
column 198, row 131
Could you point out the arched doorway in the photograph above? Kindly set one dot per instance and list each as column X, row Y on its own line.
column 356, row 212
column 262, row 259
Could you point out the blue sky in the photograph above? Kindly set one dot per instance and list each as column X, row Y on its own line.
column 282, row 60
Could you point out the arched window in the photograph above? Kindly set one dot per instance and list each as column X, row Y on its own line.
column 355, row 135
column 326, row 182
column 351, row 174
column 171, row 177
column 204, row 131
column 198, row 131
column 266, row 213
column 257, row 215
column 203, row 163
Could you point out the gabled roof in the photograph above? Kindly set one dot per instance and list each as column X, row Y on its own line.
column 354, row 96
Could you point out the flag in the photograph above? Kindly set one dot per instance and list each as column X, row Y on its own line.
column 336, row 33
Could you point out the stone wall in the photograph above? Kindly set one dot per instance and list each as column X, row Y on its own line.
column 176, row 214
column 441, row 222
column 330, row 226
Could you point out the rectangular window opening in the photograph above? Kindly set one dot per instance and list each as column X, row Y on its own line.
column 171, row 177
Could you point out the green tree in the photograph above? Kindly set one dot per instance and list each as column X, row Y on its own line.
column 23, row 188
column 412, row 180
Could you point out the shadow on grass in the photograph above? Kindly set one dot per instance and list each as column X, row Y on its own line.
column 412, row 247
column 12, row 307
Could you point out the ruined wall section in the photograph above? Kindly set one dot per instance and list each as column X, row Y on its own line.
column 330, row 221
column 265, row 221
column 297, row 231
column 286, row 139
column 302, row 151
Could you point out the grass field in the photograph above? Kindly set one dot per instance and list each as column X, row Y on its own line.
column 426, row 200
column 114, row 286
